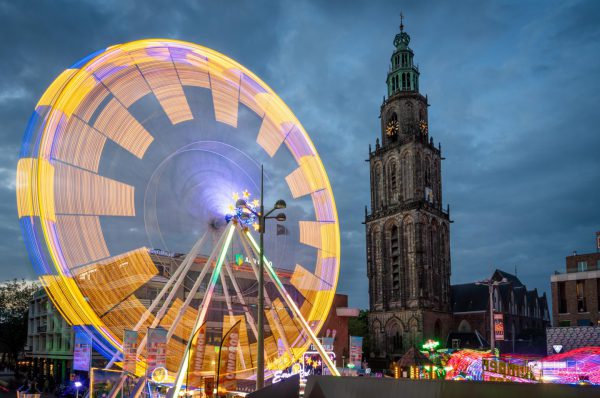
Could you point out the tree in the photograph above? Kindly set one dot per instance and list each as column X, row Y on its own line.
column 15, row 296
column 359, row 326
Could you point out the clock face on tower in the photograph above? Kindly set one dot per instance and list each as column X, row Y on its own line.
column 423, row 127
column 391, row 128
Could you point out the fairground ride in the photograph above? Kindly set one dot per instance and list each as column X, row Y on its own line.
column 144, row 148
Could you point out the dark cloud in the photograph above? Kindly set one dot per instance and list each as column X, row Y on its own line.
column 513, row 88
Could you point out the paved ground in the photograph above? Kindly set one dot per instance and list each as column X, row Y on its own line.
column 13, row 394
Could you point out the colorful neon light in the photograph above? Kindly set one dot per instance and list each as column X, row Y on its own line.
column 62, row 196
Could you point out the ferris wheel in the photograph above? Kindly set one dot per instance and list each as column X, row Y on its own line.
column 127, row 183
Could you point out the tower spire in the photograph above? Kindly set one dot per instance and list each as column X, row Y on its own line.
column 401, row 22
column 403, row 74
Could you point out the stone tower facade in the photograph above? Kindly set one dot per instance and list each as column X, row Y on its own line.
column 407, row 231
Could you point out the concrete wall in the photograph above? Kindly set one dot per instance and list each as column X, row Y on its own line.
column 358, row 387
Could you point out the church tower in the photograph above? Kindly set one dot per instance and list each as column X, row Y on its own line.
column 407, row 230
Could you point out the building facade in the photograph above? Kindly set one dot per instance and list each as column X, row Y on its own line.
column 336, row 327
column 524, row 311
column 407, row 230
column 576, row 293
column 49, row 340
column 576, row 303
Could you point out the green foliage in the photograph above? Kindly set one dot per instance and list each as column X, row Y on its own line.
column 359, row 326
column 15, row 296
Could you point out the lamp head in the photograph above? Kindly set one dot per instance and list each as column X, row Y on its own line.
column 280, row 204
column 280, row 217
column 78, row 384
column 240, row 203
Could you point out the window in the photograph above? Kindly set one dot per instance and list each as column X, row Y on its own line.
column 393, row 177
column 582, row 266
column 562, row 298
column 598, row 292
column 581, row 307
column 395, row 259
column 397, row 341
column 564, row 323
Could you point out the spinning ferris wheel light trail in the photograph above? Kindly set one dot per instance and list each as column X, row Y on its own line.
column 138, row 147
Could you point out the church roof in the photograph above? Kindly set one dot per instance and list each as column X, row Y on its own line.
column 469, row 297
column 512, row 279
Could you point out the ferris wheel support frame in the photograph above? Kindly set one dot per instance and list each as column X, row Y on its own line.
column 292, row 305
column 281, row 332
column 174, row 391
column 230, row 311
column 176, row 278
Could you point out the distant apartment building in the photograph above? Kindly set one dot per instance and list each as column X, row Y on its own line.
column 576, row 293
column 49, row 339
column 576, row 303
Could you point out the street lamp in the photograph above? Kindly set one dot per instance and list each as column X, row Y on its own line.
column 78, row 385
column 491, row 284
column 262, row 217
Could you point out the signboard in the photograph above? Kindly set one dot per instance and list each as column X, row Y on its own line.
column 198, row 347
column 598, row 240
column 228, row 359
column 239, row 259
column 327, row 343
column 130, row 346
column 313, row 363
column 499, row 327
column 156, row 347
column 510, row 370
column 356, row 351
column 82, row 352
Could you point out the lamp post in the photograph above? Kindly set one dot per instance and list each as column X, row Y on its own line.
column 491, row 284
column 262, row 217
column 78, row 385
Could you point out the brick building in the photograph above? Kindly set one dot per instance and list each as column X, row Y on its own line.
column 336, row 326
column 576, row 303
column 526, row 315
column 576, row 293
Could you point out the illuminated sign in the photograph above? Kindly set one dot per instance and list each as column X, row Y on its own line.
column 239, row 259
column 312, row 364
column 164, row 253
column 507, row 369
column 431, row 345
column 159, row 375
column 293, row 370
column 499, row 326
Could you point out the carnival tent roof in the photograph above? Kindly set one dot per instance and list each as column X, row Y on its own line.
column 413, row 357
